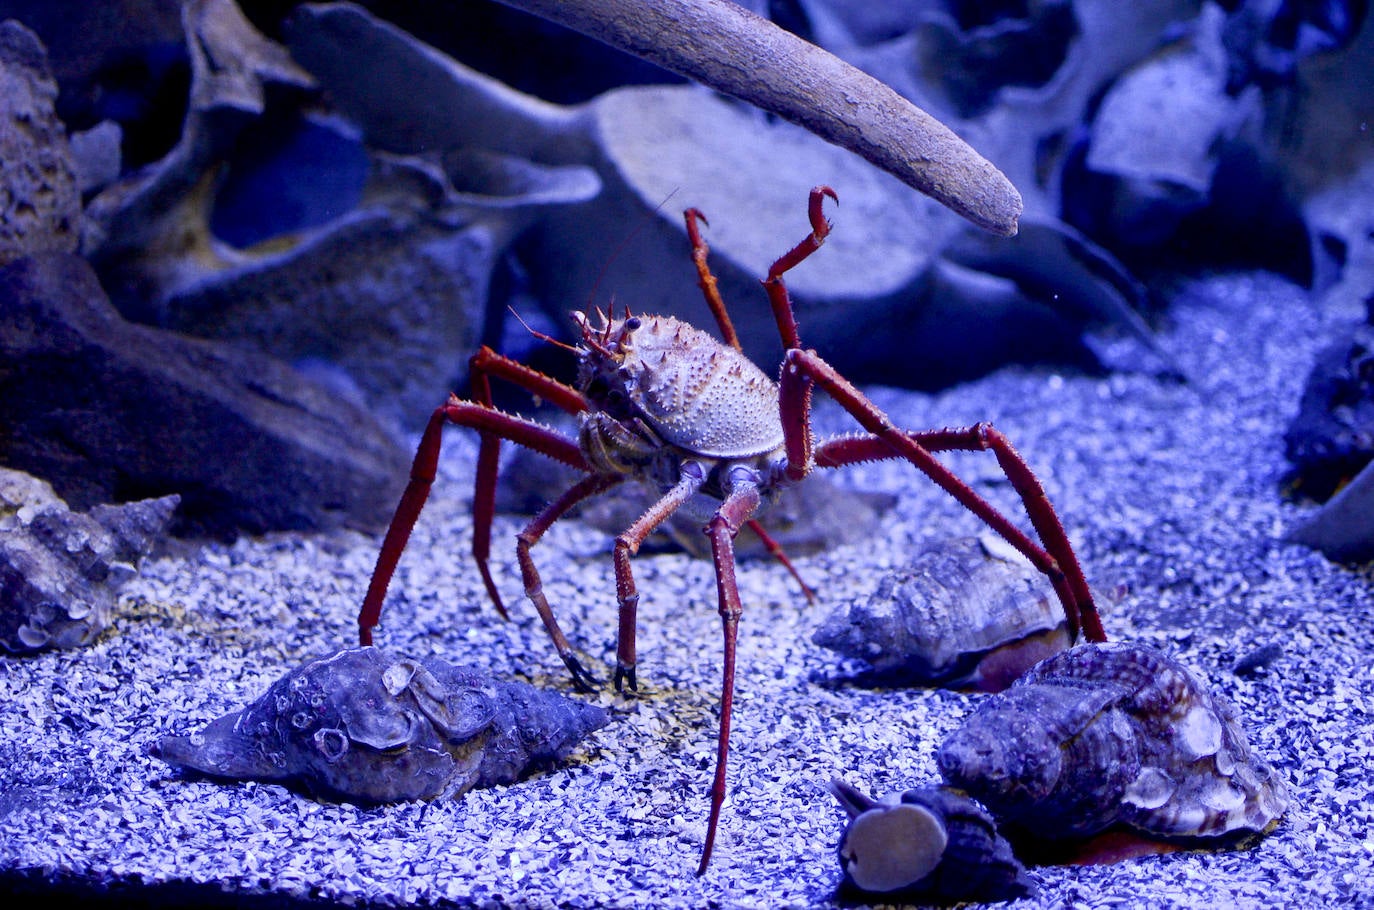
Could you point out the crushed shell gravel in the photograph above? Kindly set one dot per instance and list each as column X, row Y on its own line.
column 1169, row 491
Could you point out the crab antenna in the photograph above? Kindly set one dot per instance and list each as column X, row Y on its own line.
column 589, row 334
column 540, row 335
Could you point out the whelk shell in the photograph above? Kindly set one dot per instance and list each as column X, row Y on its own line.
column 364, row 727
column 970, row 612
column 60, row 571
column 1113, row 733
column 930, row 845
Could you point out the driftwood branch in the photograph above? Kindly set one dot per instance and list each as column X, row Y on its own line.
column 732, row 50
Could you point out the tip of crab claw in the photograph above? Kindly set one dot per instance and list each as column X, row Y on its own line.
column 625, row 675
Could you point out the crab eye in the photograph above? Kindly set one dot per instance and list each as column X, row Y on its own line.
column 632, row 323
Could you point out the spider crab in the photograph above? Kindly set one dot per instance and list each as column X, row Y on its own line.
column 663, row 402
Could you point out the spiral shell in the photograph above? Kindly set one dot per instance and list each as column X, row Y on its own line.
column 970, row 612
column 1113, row 733
column 60, row 570
column 928, row 845
column 362, row 727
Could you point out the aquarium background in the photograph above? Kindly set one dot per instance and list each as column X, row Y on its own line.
column 246, row 250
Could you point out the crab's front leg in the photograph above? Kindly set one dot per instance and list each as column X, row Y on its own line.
column 692, row 476
column 587, row 487
column 739, row 506
column 487, row 421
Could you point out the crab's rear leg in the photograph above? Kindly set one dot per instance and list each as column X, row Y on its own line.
column 485, row 420
column 741, row 503
column 1055, row 558
column 777, row 552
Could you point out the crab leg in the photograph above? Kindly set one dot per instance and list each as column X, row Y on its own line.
column 710, row 289
column 802, row 369
column 773, row 284
column 477, row 416
column 481, row 366
column 1056, row 558
column 626, row 546
column 534, row 586
column 847, row 450
column 776, row 551
column 738, row 507
column 981, row 437
column 795, row 395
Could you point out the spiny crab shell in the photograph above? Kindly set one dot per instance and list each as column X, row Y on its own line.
column 1113, row 733
column 676, row 377
column 363, row 727
column 663, row 392
column 969, row 612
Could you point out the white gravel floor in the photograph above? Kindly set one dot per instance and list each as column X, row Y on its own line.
column 1169, row 492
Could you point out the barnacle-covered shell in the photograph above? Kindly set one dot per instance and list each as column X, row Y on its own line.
column 61, row 570
column 931, row 845
column 362, row 726
column 969, row 612
column 1113, row 733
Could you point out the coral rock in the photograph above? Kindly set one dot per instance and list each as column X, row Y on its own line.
column 60, row 570
column 105, row 409
column 40, row 204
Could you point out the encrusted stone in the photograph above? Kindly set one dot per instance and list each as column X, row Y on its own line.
column 60, row 570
